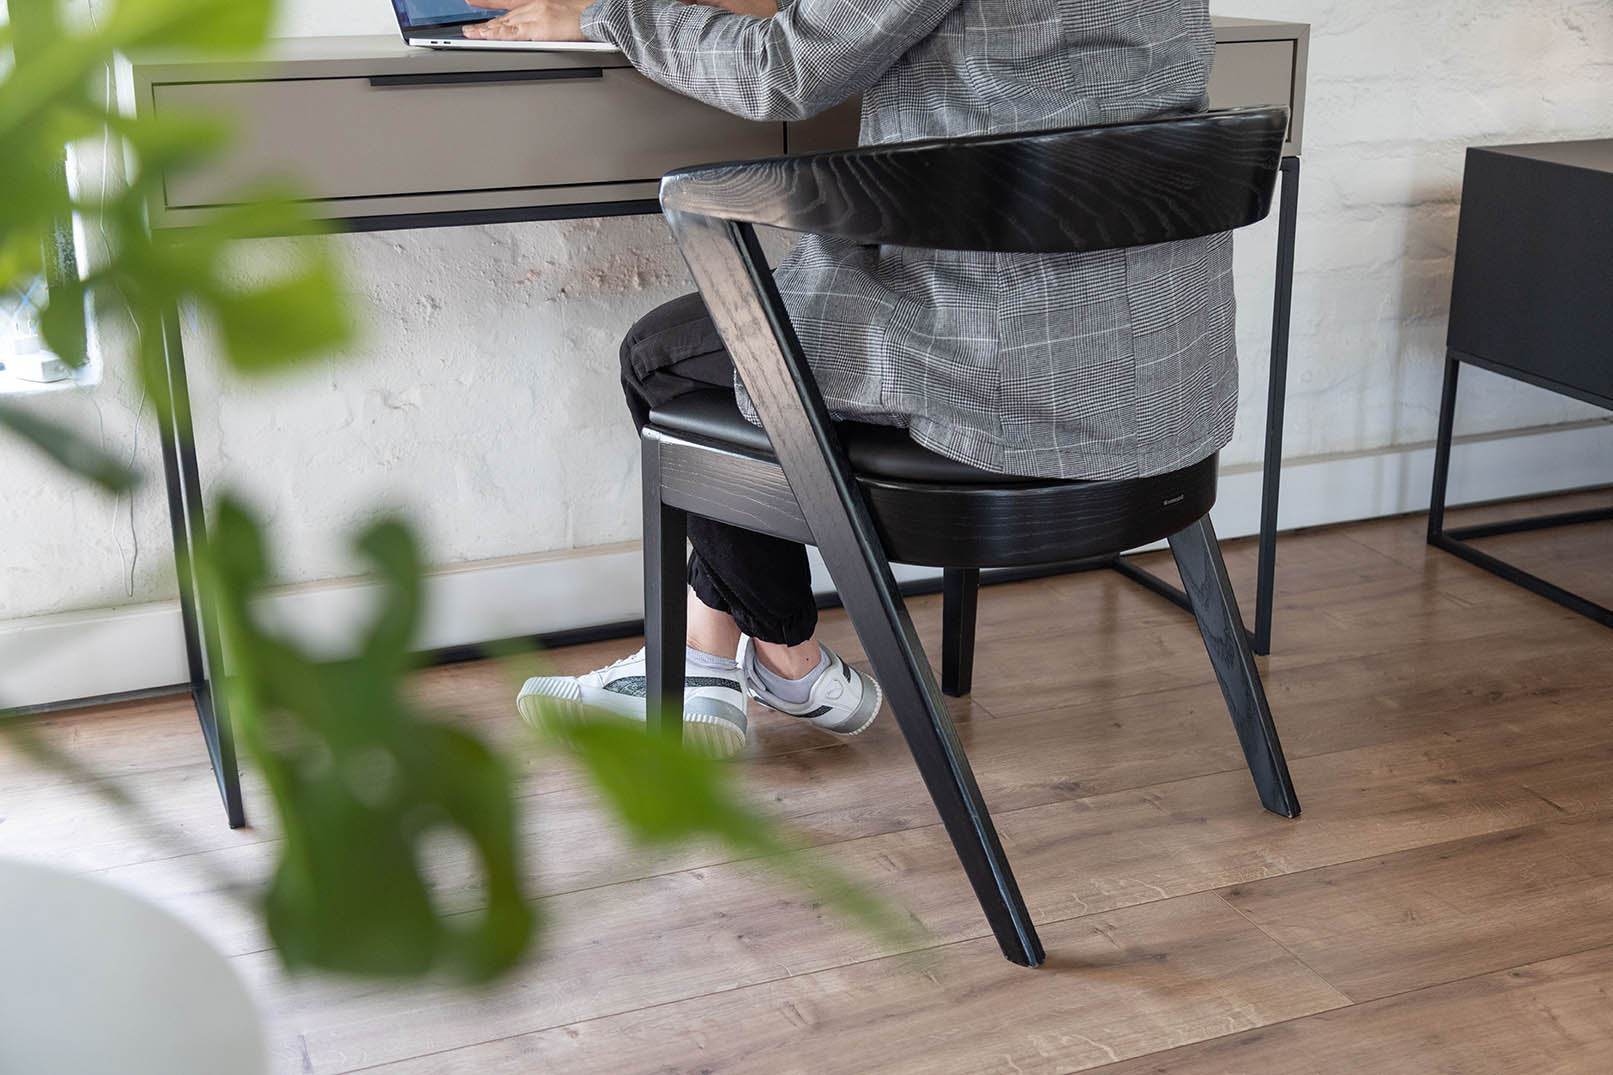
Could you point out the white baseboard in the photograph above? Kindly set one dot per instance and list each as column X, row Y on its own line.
column 100, row 652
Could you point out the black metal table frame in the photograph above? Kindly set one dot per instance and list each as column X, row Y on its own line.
column 182, row 478
column 1455, row 540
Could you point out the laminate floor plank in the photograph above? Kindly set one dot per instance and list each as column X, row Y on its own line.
column 1395, row 923
column 1120, row 985
column 69, row 825
column 1395, row 616
column 100, row 739
column 1562, row 559
column 1550, row 1018
column 1568, row 555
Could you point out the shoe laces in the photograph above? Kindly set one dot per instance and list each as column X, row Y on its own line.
column 614, row 665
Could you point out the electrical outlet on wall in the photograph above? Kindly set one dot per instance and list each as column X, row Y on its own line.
column 22, row 355
column 27, row 360
column 39, row 366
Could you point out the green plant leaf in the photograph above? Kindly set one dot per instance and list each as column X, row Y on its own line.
column 47, row 77
column 664, row 795
column 69, row 448
column 362, row 780
column 61, row 322
column 211, row 25
column 20, row 259
column 265, row 326
column 166, row 145
column 32, row 199
column 278, row 325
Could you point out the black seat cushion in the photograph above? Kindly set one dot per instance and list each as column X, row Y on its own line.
column 878, row 451
column 927, row 509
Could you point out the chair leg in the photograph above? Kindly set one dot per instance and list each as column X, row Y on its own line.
column 1204, row 577
column 959, row 602
column 887, row 634
column 731, row 270
column 665, row 601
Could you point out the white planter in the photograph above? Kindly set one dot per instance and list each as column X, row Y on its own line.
column 94, row 980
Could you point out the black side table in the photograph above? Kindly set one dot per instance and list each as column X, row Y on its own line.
column 1533, row 300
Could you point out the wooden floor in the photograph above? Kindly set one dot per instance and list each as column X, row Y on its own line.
column 1445, row 903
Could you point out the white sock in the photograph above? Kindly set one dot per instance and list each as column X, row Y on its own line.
column 793, row 691
column 702, row 659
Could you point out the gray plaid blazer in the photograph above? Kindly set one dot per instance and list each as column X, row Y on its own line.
column 1108, row 365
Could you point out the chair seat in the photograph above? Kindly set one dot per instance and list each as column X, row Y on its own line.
column 928, row 509
column 877, row 451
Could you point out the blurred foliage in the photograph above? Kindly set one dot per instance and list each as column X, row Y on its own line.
column 664, row 796
column 361, row 779
column 51, row 95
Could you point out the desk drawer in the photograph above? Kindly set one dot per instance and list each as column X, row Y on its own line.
column 338, row 138
column 1258, row 73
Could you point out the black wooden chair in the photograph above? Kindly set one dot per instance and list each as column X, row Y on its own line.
column 874, row 497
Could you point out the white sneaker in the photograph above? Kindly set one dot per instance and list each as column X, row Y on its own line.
column 713, row 701
column 842, row 701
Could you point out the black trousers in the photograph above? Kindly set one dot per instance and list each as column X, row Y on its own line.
column 763, row 582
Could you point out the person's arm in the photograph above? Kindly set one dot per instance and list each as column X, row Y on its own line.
column 810, row 56
column 561, row 20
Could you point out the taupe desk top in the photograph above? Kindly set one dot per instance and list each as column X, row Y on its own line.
column 372, row 129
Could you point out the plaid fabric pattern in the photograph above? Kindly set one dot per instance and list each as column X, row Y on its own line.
column 1110, row 365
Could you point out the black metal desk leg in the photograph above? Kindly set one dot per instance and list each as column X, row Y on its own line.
column 1276, row 396
column 1455, row 541
column 1442, row 448
column 183, row 482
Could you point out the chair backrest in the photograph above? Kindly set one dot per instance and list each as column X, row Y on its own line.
column 1065, row 191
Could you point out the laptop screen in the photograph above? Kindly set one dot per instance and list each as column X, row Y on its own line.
column 418, row 14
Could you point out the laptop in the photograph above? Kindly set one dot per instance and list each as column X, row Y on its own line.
column 440, row 24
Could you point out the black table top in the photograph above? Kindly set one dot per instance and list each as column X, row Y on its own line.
column 1594, row 155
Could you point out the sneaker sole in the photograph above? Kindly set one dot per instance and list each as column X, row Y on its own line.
column 706, row 734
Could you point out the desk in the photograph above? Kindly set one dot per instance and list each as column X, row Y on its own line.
column 376, row 133
column 1530, row 301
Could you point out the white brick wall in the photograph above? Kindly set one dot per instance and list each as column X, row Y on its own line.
column 484, row 396
column 1397, row 91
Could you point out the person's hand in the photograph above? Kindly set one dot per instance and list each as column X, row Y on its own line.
column 762, row 9
column 531, row 20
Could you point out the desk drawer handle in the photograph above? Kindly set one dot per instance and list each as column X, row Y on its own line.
column 447, row 78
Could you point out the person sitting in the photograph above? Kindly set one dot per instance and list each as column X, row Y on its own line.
column 1117, row 364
